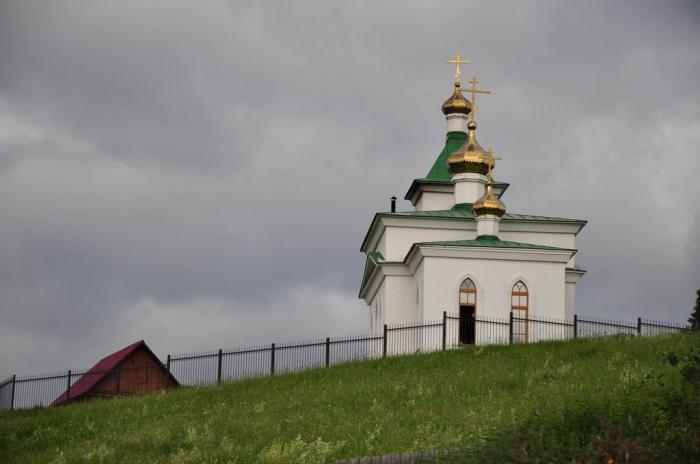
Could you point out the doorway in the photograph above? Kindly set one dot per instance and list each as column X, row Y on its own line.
column 467, row 312
column 467, row 325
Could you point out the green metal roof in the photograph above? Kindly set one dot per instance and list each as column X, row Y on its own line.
column 502, row 186
column 373, row 258
column 464, row 211
column 489, row 241
column 439, row 170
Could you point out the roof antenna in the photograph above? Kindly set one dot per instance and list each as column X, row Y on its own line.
column 393, row 204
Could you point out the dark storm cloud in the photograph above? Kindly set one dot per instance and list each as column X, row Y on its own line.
column 202, row 175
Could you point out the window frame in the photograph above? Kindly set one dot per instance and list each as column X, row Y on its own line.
column 520, row 290
column 467, row 291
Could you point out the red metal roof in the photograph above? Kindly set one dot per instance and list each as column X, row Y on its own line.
column 99, row 371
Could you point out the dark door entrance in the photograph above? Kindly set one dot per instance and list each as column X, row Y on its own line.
column 467, row 325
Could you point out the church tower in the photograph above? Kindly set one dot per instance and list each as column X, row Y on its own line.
column 459, row 250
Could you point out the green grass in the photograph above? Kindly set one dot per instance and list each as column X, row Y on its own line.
column 578, row 401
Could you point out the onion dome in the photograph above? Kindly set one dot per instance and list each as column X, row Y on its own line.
column 457, row 103
column 470, row 157
column 489, row 203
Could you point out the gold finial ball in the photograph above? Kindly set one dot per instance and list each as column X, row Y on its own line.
column 457, row 103
column 471, row 125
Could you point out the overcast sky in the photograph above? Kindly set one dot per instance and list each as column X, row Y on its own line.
column 202, row 174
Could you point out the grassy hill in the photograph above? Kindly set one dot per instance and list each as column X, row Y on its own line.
column 589, row 400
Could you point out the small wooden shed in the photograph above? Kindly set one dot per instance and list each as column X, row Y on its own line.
column 130, row 371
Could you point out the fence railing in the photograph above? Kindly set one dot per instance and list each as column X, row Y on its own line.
column 225, row 365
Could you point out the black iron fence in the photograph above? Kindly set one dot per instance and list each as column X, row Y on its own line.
column 225, row 365
column 59, row 388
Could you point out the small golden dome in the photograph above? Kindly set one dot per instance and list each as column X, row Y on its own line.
column 470, row 157
column 489, row 203
column 457, row 103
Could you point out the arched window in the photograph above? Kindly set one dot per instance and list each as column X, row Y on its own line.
column 467, row 293
column 467, row 312
column 519, row 306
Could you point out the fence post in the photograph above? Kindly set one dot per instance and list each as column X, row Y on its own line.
column 12, row 395
column 575, row 325
column 218, row 367
column 117, row 378
column 328, row 351
column 272, row 360
column 68, row 386
column 386, row 331
column 167, row 373
column 510, row 331
column 639, row 326
column 444, row 330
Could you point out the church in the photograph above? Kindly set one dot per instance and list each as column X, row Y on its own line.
column 460, row 250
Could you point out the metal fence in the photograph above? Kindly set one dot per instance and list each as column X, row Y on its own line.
column 226, row 365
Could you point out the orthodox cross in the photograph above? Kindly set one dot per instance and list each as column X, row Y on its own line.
column 491, row 161
column 457, row 62
column 474, row 91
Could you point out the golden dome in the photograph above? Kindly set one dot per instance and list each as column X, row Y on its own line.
column 470, row 157
column 457, row 103
column 489, row 203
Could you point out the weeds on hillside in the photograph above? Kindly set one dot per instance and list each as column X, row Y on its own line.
column 590, row 400
column 659, row 421
column 297, row 450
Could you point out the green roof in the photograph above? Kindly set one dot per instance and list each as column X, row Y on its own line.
column 439, row 170
column 502, row 186
column 373, row 258
column 464, row 211
column 489, row 241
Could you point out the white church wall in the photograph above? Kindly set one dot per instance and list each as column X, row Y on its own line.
column 487, row 225
column 381, row 245
column 377, row 309
column 542, row 238
column 469, row 187
column 456, row 122
column 377, row 312
column 435, row 201
column 400, row 291
column 570, row 300
column 494, row 280
column 395, row 240
column 420, row 292
column 405, row 309
column 399, row 240
column 539, row 238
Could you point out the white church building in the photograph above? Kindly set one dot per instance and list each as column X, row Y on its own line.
column 460, row 250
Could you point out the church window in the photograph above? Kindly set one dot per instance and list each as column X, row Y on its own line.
column 467, row 292
column 519, row 306
column 467, row 312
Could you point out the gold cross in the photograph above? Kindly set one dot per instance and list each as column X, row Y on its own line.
column 458, row 61
column 491, row 161
column 474, row 91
